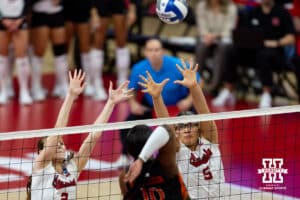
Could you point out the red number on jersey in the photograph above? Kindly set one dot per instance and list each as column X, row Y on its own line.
column 64, row 196
column 207, row 174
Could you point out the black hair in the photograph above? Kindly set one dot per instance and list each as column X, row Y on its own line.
column 186, row 113
column 40, row 146
column 136, row 139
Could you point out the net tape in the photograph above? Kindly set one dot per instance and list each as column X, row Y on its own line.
column 149, row 122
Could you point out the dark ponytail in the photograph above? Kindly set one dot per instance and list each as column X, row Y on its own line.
column 28, row 188
column 40, row 147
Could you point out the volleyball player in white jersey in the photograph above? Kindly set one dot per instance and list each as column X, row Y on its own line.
column 13, row 29
column 47, row 23
column 55, row 175
column 198, row 157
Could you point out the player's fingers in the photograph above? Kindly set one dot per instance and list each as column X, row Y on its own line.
column 79, row 74
column 164, row 82
column 145, row 90
column 143, row 78
column 110, row 86
column 70, row 75
column 179, row 68
column 178, row 82
column 149, row 76
column 196, row 68
column 191, row 63
column 82, row 77
column 143, row 84
column 75, row 74
column 123, row 86
column 128, row 91
column 183, row 63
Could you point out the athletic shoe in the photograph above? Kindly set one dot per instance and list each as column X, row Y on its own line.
column 25, row 98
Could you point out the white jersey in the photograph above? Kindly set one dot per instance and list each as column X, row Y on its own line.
column 202, row 170
column 47, row 184
column 46, row 6
column 11, row 8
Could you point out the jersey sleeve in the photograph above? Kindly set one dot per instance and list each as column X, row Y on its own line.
column 288, row 23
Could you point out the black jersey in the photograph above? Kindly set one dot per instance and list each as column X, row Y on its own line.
column 274, row 25
column 152, row 184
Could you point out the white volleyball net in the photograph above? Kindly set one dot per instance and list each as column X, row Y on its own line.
column 257, row 157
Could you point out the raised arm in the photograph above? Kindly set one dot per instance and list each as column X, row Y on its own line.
column 115, row 96
column 51, row 142
column 162, row 139
column 155, row 89
column 208, row 128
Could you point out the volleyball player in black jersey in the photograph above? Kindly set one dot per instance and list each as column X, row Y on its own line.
column 152, row 176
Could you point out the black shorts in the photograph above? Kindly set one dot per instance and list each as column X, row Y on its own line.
column 107, row 8
column 77, row 11
column 23, row 26
column 55, row 20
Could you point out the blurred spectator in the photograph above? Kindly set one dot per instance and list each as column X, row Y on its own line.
column 278, row 31
column 13, row 28
column 47, row 23
column 215, row 21
column 77, row 16
column 115, row 11
column 160, row 66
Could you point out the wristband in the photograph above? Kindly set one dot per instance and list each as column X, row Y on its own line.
column 158, row 139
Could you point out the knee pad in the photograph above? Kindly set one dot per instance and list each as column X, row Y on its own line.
column 59, row 49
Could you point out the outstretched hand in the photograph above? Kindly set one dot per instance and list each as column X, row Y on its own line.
column 119, row 94
column 188, row 73
column 76, row 82
column 153, row 88
column 133, row 171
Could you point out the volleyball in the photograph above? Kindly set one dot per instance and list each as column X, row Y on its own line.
column 171, row 11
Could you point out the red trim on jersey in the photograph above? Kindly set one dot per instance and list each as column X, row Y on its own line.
column 59, row 184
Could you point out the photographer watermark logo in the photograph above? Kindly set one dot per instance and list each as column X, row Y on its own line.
column 272, row 173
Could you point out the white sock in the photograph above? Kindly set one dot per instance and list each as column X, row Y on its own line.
column 3, row 72
column 86, row 64
column 36, row 66
column 10, row 65
column 61, row 70
column 23, row 72
column 97, row 60
column 122, row 63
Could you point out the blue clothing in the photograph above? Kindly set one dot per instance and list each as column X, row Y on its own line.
column 172, row 92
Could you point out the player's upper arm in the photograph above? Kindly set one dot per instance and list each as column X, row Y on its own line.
column 167, row 154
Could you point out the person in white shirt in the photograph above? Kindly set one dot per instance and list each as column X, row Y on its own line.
column 198, row 156
column 55, row 171
column 13, row 29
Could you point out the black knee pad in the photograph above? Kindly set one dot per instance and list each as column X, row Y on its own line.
column 59, row 49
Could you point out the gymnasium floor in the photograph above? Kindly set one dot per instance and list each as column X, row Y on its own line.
column 243, row 143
